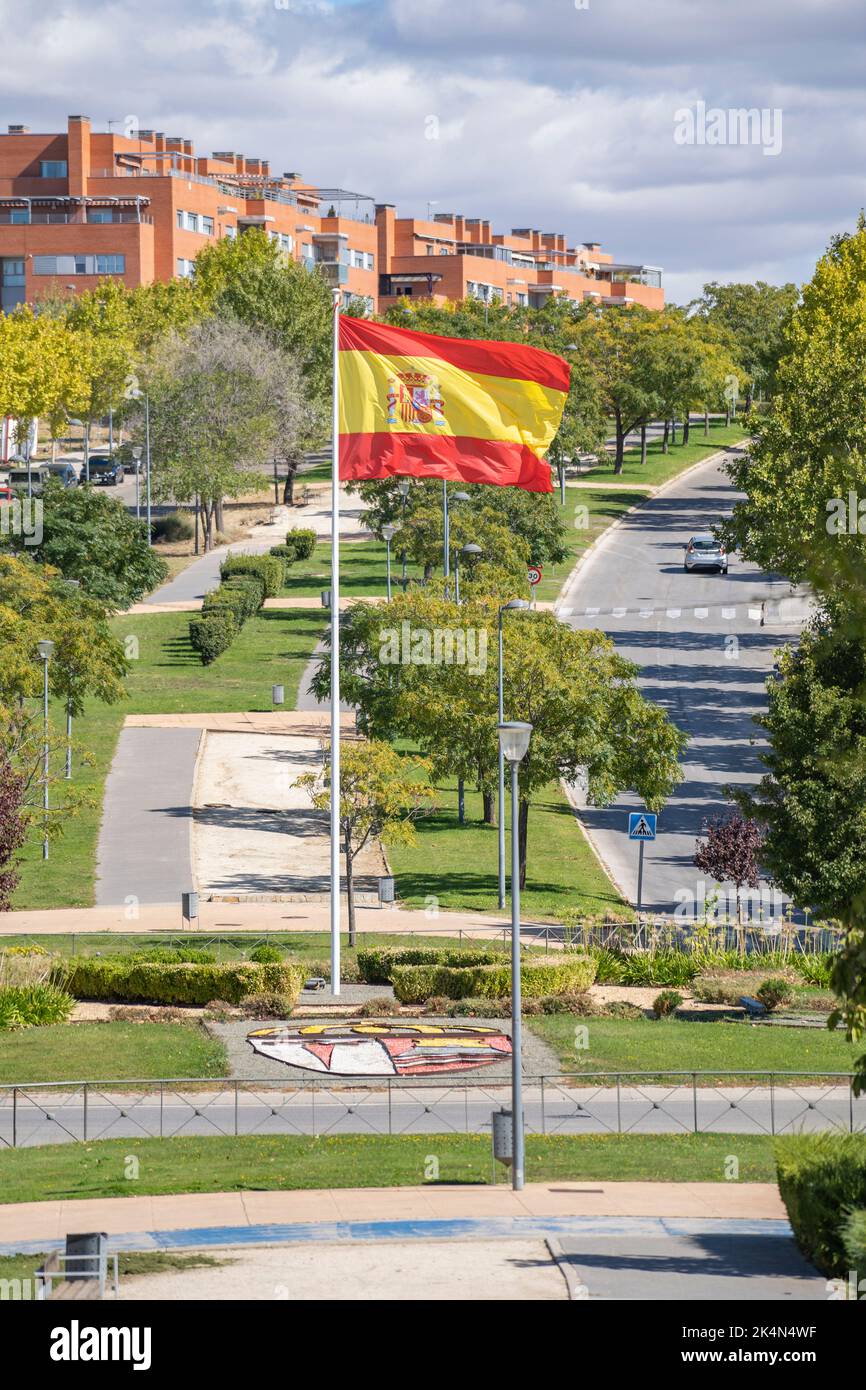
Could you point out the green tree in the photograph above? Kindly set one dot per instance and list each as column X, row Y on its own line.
column 590, row 720
column 614, row 343
column 755, row 316
column 381, row 796
column 92, row 538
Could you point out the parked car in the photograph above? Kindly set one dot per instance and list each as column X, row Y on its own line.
column 20, row 481
column 63, row 472
column 106, row 470
column 704, row 552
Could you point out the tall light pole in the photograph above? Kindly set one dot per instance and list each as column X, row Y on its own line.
column 458, row 497
column 516, row 604
column 136, row 458
column 73, row 585
column 513, row 745
column 46, row 650
column 389, row 533
column 403, row 488
column 143, row 396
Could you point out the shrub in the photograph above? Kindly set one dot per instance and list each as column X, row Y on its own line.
column 266, row 567
column 266, row 954
column 479, row 1008
column 174, row 527
column 609, row 966
column 286, row 557
column 821, row 1178
column 213, row 635
column 302, row 543
column 620, row 1008
column 773, row 993
column 815, row 969
column 24, row 951
column 376, row 964
column 854, row 1242
column 727, row 986
column 415, row 983
column 118, row 977
column 174, row 955
column 33, row 1006
column 666, row 1003
column 268, row 1005
column 382, row 1007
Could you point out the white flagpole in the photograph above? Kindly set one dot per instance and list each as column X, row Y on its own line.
column 335, row 665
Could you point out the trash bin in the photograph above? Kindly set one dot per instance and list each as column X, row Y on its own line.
column 278, row 695
column 386, row 891
column 190, row 907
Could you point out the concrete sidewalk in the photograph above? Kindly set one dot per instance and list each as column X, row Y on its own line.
column 205, row 1214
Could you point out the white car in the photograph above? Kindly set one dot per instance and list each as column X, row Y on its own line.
column 704, row 552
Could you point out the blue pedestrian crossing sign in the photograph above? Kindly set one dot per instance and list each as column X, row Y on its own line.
column 642, row 825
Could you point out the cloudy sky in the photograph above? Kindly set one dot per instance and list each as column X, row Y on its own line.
column 565, row 115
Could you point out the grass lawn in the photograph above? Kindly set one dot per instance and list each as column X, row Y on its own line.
column 110, row 1051
column 458, row 864
column 291, row 1163
column 625, row 1045
column 166, row 677
column 660, row 467
column 363, row 571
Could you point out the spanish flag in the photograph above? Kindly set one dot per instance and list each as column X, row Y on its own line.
column 428, row 407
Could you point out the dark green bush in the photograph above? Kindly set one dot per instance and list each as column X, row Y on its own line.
column 302, row 543
column 822, row 1178
column 666, row 1003
column 266, row 567
column 250, row 586
column 376, row 963
column 212, row 635
column 266, row 955
column 773, row 993
column 119, row 977
column 177, row 526
column 415, row 983
column 381, row 1007
column 286, row 557
column 224, row 602
column 33, row 1006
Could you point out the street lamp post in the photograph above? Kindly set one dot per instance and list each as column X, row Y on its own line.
column 403, row 488
column 472, row 552
column 389, row 533
column 46, row 650
column 458, row 497
column 516, row 604
column 513, row 745
column 143, row 396
column 136, row 458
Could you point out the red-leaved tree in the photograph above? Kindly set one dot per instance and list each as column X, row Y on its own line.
column 730, row 852
column 13, row 828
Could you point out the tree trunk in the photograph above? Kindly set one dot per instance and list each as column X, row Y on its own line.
column 706, row 424
column 218, row 513
column 461, row 802
column 666, row 436
column 643, row 443
column 292, row 465
column 350, row 893
column 489, row 802
column 522, row 828
column 197, row 524
column 620, row 443
column 687, row 425
column 727, row 414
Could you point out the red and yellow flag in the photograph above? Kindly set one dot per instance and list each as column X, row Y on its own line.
column 414, row 404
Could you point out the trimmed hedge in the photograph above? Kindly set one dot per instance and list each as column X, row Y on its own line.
column 212, row 635
column 286, row 557
column 265, row 567
column 854, row 1241
column 375, row 965
column 302, row 543
column 822, row 1177
column 157, row 983
column 415, row 983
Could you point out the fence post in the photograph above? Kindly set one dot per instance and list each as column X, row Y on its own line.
column 695, row 1100
column 619, row 1104
column 86, row 1094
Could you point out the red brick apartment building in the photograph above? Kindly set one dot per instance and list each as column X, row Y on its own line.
column 79, row 206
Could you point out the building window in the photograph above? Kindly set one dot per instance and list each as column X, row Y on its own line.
column 191, row 221
column 180, row 215
column 100, row 215
column 207, row 225
column 79, row 265
column 370, row 260
column 231, row 232
column 11, row 283
column 185, row 267
column 53, row 168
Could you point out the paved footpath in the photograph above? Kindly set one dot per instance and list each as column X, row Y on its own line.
column 712, row 1241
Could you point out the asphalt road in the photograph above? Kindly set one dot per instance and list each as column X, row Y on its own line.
column 703, row 657
column 41, row 1117
column 143, row 853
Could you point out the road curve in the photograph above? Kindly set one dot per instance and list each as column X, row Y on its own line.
column 704, row 658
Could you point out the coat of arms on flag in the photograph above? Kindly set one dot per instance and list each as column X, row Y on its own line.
column 415, row 398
